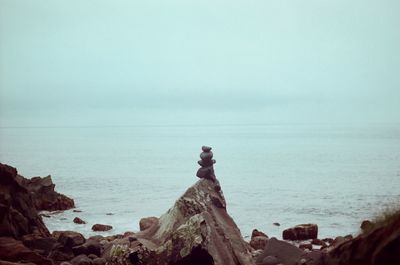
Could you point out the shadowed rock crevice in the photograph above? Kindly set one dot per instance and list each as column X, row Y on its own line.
column 198, row 256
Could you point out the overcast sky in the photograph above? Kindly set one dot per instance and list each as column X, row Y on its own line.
column 121, row 62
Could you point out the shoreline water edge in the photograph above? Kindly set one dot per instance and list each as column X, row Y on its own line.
column 196, row 230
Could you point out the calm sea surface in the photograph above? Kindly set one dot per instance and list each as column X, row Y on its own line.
column 334, row 176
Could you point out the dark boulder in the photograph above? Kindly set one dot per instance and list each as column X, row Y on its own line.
column 101, row 227
column 41, row 245
column 284, row 252
column 61, row 253
column 301, row 232
column 89, row 247
column 71, row 239
column 79, row 221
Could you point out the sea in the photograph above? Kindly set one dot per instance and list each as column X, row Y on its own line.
column 335, row 176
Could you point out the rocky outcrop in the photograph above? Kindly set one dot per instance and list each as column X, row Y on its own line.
column 301, row 232
column 23, row 235
column 196, row 230
column 18, row 214
column 45, row 197
column 378, row 246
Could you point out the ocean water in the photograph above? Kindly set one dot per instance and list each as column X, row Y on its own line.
column 332, row 175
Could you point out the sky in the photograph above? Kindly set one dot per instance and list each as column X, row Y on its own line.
column 92, row 62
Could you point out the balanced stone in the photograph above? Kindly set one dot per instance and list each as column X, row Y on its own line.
column 206, row 148
column 206, row 163
column 204, row 172
column 206, row 156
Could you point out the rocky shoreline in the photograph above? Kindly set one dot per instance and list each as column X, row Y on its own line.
column 196, row 230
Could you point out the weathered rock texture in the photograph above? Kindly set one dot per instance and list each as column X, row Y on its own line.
column 23, row 235
column 18, row 214
column 196, row 230
column 44, row 195
column 379, row 246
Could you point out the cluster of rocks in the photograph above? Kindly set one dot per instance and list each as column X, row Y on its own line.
column 196, row 230
column 207, row 164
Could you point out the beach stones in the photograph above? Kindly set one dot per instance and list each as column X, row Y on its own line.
column 207, row 169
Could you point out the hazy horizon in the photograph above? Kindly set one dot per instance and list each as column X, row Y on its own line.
column 77, row 63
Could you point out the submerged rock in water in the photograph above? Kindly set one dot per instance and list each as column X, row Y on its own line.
column 196, row 230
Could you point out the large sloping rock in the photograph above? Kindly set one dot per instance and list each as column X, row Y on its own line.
column 196, row 230
column 379, row 246
column 18, row 214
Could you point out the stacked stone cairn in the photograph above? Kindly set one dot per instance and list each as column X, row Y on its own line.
column 207, row 169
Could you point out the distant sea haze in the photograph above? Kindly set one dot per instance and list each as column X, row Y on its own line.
column 332, row 175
